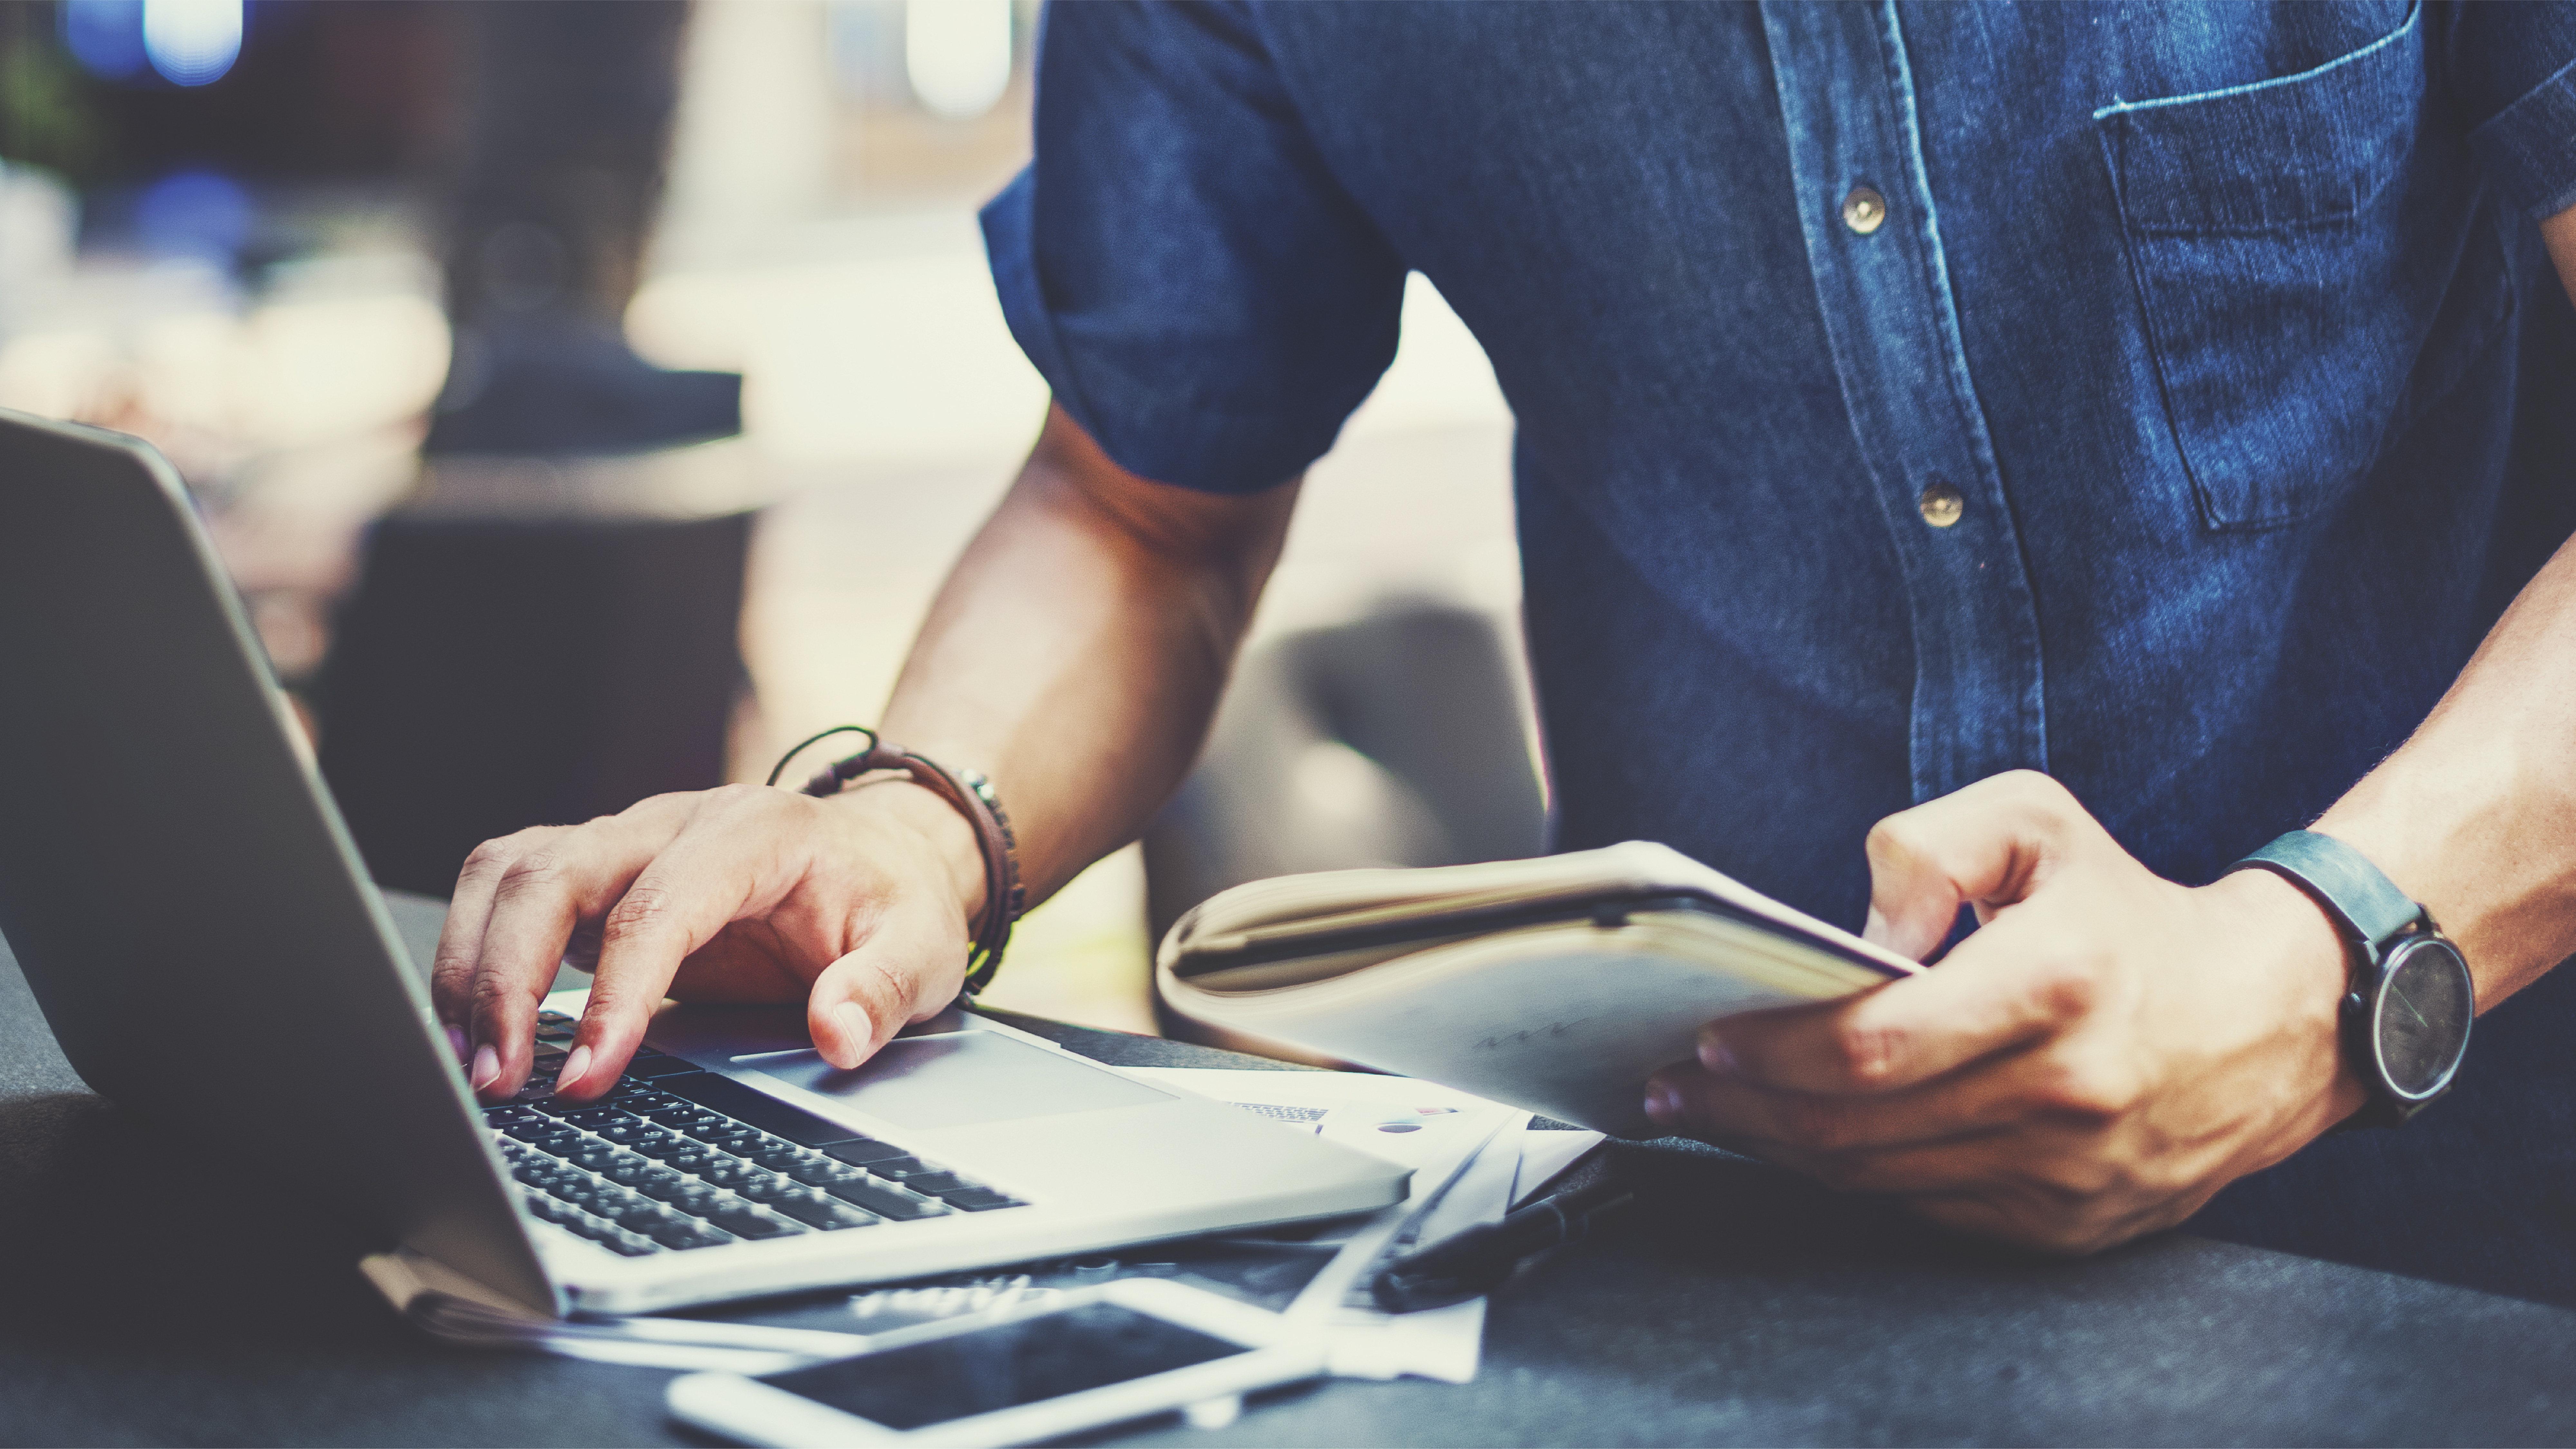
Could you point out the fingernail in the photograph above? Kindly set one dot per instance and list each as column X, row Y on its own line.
column 576, row 1062
column 487, row 1067
column 1661, row 1101
column 1714, row 1055
column 855, row 1027
column 456, row 1042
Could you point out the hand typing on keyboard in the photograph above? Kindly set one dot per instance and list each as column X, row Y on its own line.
column 857, row 904
column 1074, row 655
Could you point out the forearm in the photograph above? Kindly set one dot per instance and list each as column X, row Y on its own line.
column 2476, row 815
column 1077, row 650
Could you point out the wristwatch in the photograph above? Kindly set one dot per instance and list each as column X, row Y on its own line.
column 2407, row 1010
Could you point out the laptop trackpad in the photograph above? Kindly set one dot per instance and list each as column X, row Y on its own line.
column 956, row 1081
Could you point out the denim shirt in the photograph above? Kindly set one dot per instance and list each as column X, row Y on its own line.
column 2166, row 397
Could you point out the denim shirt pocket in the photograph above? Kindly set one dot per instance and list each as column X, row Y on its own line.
column 2315, row 259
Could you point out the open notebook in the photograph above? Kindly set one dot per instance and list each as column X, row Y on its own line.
column 1556, row 985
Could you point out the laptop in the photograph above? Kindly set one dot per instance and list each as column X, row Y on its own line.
column 199, row 932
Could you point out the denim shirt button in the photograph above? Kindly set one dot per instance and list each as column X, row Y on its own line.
column 1864, row 210
column 1942, row 505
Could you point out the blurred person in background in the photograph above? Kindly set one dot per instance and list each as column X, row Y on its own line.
column 2062, row 448
column 567, row 133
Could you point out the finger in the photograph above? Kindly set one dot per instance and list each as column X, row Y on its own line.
column 1989, row 844
column 2018, row 979
column 568, row 874
column 909, row 966
column 728, row 862
column 460, row 938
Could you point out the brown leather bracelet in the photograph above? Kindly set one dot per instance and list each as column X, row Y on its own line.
column 970, row 795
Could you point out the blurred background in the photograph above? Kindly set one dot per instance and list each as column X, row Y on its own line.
column 587, row 395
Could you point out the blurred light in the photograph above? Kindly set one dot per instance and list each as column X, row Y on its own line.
column 192, row 42
column 105, row 36
column 957, row 54
column 193, row 214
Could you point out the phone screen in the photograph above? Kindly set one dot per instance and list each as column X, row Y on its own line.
column 1003, row 1367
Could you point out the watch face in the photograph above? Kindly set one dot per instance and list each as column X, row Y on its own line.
column 2421, row 1024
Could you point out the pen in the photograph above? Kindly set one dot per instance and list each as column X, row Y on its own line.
column 1465, row 1264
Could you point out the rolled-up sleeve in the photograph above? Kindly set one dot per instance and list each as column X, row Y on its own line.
column 2515, row 69
column 1200, row 293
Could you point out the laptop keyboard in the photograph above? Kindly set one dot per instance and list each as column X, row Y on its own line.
column 677, row 1158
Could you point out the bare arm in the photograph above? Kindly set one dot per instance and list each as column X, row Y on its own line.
column 1074, row 654
column 1077, row 650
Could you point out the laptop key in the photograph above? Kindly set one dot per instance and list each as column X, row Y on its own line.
column 649, row 1218
column 656, row 1181
column 730, row 1172
column 861, row 1151
column 692, row 1235
column 745, row 1221
column 885, row 1201
column 818, row 1210
column 695, row 1198
column 579, row 1190
column 629, row 1131
column 764, row 1187
column 816, row 1171
column 612, row 1237
column 979, row 1199
column 721, row 1130
column 901, row 1169
column 628, row 1171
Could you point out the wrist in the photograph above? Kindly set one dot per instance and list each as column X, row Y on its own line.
column 2289, row 937
column 947, row 842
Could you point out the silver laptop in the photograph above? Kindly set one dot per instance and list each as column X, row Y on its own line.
column 198, row 930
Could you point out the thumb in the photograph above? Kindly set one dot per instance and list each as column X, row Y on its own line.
column 1989, row 844
column 861, row 1000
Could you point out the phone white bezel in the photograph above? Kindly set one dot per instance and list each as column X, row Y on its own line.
column 752, row 1412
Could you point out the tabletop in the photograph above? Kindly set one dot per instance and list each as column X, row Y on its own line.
column 150, row 1295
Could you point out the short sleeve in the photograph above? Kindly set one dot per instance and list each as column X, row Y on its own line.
column 1177, row 261
column 2514, row 66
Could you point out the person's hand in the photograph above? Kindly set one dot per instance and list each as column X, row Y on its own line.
column 857, row 905
column 2100, row 1057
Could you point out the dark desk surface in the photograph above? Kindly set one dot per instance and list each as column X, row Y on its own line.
column 142, row 1303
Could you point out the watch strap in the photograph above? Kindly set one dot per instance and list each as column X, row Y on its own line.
column 2366, row 905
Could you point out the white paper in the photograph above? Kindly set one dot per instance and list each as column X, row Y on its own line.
column 1465, row 1152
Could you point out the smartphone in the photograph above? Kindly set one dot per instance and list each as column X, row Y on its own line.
column 1095, row 1356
